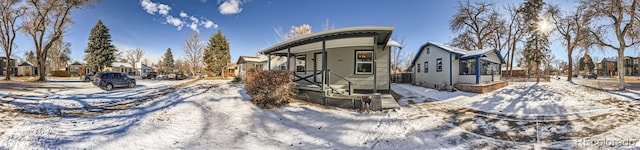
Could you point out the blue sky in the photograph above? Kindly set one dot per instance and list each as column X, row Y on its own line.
column 155, row 25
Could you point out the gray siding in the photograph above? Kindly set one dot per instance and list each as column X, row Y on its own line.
column 433, row 78
column 342, row 62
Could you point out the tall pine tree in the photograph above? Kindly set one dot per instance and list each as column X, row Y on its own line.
column 168, row 63
column 100, row 52
column 216, row 54
column 536, row 49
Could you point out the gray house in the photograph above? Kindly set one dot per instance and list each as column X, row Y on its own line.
column 343, row 61
column 4, row 66
column 441, row 66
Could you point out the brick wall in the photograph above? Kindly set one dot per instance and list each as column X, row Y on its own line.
column 481, row 89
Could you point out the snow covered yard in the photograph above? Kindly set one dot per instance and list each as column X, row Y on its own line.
column 219, row 115
column 61, row 97
column 555, row 114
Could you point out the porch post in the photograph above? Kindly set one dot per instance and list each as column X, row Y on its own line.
column 477, row 70
column 289, row 59
column 375, row 74
column 324, row 66
column 269, row 63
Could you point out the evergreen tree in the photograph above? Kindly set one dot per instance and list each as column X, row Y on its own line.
column 31, row 57
column 216, row 54
column 100, row 51
column 586, row 63
column 168, row 63
column 536, row 49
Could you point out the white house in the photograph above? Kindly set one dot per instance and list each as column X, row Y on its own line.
column 121, row 67
column 442, row 66
column 142, row 69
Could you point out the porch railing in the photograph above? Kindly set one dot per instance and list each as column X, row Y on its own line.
column 341, row 77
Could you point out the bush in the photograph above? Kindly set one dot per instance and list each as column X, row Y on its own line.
column 269, row 88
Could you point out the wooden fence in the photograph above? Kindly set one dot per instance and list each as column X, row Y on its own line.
column 401, row 78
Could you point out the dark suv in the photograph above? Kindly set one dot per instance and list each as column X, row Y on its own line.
column 110, row 80
column 150, row 75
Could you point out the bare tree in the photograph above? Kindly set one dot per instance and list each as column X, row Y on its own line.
column 134, row 56
column 398, row 57
column 478, row 23
column 573, row 28
column 296, row 31
column 46, row 21
column 516, row 30
column 9, row 14
column 617, row 17
column 59, row 54
column 194, row 49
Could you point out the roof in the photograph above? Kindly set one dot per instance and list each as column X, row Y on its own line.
column 126, row 65
column 76, row 63
column 25, row 64
column 382, row 32
column 466, row 54
column 245, row 59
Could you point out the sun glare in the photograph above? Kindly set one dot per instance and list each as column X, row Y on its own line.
column 544, row 26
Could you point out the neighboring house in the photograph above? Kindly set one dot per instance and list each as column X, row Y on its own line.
column 141, row 69
column 121, row 67
column 277, row 63
column 247, row 64
column 76, row 67
column 27, row 69
column 608, row 67
column 339, row 62
column 630, row 66
column 516, row 72
column 231, row 70
column 4, row 66
column 441, row 66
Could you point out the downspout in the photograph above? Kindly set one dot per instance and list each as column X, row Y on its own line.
column 477, row 70
column 450, row 69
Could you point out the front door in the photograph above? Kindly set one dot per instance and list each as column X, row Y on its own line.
column 317, row 67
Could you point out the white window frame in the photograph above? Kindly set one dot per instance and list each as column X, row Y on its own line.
column 355, row 62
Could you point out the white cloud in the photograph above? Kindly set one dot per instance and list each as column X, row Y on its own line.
column 184, row 19
column 149, row 6
column 163, row 9
column 175, row 22
column 194, row 26
column 230, row 7
column 208, row 24
column 194, row 19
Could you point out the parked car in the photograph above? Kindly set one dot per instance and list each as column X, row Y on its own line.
column 110, row 80
column 87, row 77
column 180, row 76
column 150, row 75
column 590, row 76
column 162, row 76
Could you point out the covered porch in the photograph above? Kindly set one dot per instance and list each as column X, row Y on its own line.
column 344, row 63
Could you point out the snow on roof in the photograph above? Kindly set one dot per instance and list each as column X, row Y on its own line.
column 76, row 63
column 126, row 65
column 476, row 52
column 612, row 59
column 449, row 48
column 25, row 64
column 394, row 43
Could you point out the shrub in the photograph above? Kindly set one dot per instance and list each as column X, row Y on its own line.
column 269, row 88
column 60, row 73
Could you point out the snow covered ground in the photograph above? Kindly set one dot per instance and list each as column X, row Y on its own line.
column 219, row 115
column 56, row 97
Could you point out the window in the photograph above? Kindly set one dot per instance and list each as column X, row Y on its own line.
column 439, row 65
column 301, row 65
column 468, row 67
column 418, row 68
column 428, row 50
column 486, row 67
column 426, row 67
column 364, row 62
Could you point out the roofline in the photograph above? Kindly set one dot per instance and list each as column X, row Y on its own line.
column 415, row 58
column 356, row 31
